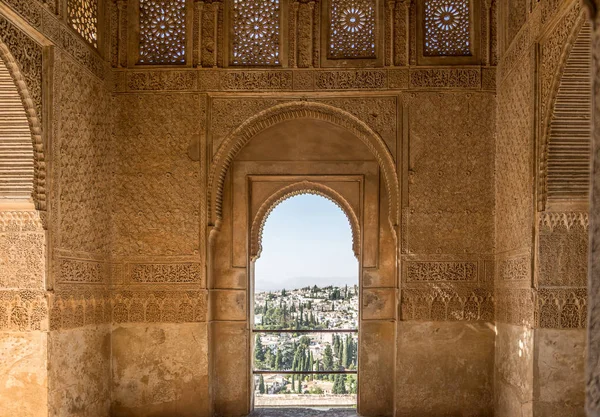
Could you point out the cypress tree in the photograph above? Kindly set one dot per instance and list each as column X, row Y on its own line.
column 278, row 360
column 261, row 385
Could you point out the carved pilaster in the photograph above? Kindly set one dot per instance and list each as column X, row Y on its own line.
column 209, row 24
column 389, row 33
column 485, row 31
column 220, row 38
column 401, row 33
column 317, row 35
column 197, row 31
column 114, row 34
column 122, row 33
column 494, row 33
column 413, row 33
column 305, row 34
column 293, row 30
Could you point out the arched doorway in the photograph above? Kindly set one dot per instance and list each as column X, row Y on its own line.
column 291, row 149
column 305, row 304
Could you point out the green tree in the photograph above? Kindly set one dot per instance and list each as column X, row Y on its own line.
column 328, row 358
column 259, row 350
column 278, row 361
column 261, row 385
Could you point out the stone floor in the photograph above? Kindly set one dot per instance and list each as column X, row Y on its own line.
column 303, row 412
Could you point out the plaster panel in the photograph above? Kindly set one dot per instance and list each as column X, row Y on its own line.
column 81, row 156
column 228, row 305
column 23, row 374
column 159, row 370
column 230, row 379
column 378, row 303
column 376, row 368
column 451, row 173
column 444, row 369
column 513, row 371
column 158, row 185
column 559, row 373
column 563, row 256
column 22, row 250
column 79, row 372
column 305, row 140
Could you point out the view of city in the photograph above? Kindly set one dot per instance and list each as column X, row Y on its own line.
column 306, row 309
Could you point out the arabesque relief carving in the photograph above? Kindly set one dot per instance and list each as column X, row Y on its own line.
column 448, row 303
column 441, row 271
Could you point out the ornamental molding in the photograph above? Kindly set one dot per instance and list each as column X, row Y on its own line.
column 305, row 80
column 300, row 188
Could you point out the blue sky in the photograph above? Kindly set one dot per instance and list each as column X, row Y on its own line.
column 307, row 240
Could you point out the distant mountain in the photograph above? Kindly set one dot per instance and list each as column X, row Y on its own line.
column 262, row 285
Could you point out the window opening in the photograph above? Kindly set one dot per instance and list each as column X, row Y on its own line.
column 305, row 316
column 352, row 29
column 256, row 32
column 447, row 28
column 83, row 17
column 162, row 32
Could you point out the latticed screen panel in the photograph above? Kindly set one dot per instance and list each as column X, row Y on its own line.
column 83, row 17
column 352, row 29
column 256, row 32
column 162, row 32
column 447, row 28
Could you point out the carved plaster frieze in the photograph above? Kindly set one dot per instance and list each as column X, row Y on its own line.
column 305, row 80
column 441, row 271
column 561, row 308
column 23, row 310
column 445, row 302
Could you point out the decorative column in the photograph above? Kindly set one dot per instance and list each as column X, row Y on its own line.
column 293, row 30
column 197, row 31
column 305, row 34
column 389, row 33
column 401, row 25
column 209, row 22
column 122, row 33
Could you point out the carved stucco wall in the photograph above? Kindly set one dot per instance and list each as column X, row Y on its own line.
column 55, row 306
column 159, row 285
column 122, row 266
column 541, row 297
column 80, row 193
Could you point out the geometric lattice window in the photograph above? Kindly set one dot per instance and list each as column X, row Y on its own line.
column 162, row 32
column 83, row 17
column 352, row 29
column 447, row 28
column 255, row 29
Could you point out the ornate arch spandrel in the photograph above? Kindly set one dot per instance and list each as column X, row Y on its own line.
column 35, row 127
column 292, row 190
column 242, row 135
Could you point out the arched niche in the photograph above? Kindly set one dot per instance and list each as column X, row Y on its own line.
column 292, row 149
column 28, row 179
column 241, row 136
column 565, row 145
